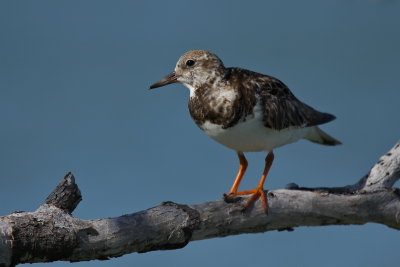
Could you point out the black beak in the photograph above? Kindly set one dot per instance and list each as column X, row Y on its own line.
column 170, row 78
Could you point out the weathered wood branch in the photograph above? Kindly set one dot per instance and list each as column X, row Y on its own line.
column 51, row 233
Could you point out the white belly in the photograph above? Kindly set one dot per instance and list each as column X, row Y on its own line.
column 252, row 136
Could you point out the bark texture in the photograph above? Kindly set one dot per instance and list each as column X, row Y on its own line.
column 51, row 233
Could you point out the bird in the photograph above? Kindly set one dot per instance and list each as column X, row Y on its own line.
column 245, row 111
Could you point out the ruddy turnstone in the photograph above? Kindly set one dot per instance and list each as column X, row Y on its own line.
column 245, row 111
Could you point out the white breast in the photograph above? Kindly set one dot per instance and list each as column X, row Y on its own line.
column 251, row 135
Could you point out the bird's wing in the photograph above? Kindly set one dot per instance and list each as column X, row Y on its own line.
column 282, row 109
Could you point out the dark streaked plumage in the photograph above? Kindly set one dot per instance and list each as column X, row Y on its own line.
column 245, row 111
column 202, row 107
column 281, row 109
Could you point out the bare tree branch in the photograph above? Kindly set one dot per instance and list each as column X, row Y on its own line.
column 385, row 172
column 50, row 233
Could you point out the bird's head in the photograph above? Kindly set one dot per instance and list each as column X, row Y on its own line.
column 193, row 69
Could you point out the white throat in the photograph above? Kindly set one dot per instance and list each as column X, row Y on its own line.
column 191, row 89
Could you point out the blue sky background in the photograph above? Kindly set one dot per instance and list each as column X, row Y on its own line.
column 73, row 97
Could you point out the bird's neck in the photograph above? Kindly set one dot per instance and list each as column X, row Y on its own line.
column 215, row 102
column 207, row 82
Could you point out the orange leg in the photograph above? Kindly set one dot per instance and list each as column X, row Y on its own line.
column 242, row 169
column 259, row 190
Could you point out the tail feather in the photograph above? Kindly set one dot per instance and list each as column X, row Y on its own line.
column 318, row 136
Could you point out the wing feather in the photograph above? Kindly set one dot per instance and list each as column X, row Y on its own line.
column 280, row 107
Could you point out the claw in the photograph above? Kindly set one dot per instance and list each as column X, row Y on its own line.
column 256, row 193
column 230, row 198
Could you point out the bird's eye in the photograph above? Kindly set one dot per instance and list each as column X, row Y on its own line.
column 190, row 62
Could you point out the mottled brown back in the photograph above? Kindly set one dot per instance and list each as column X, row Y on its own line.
column 281, row 108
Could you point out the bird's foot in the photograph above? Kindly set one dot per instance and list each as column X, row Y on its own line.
column 231, row 198
column 255, row 193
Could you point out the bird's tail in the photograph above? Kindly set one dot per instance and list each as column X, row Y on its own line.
column 318, row 136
